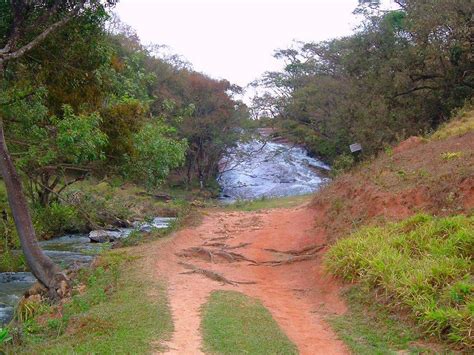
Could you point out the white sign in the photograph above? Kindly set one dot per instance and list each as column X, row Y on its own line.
column 356, row 147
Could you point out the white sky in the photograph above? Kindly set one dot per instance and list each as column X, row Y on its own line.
column 235, row 39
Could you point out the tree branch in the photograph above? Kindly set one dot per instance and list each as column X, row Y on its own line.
column 27, row 47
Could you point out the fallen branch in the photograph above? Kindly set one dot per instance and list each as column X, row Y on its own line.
column 212, row 275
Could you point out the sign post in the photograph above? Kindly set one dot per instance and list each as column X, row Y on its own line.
column 356, row 150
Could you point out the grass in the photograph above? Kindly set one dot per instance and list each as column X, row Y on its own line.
column 369, row 328
column 233, row 323
column 269, row 203
column 121, row 311
column 422, row 266
column 462, row 123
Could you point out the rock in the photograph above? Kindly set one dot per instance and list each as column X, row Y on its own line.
column 103, row 236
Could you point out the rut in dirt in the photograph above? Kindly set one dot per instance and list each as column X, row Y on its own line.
column 273, row 255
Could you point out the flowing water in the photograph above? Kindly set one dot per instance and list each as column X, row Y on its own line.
column 68, row 250
column 258, row 169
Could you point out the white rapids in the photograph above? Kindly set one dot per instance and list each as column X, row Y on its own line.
column 257, row 169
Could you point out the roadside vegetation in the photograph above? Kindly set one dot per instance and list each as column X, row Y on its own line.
column 115, row 307
column 369, row 327
column 233, row 323
column 422, row 266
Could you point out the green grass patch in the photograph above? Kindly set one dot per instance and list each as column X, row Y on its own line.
column 269, row 203
column 236, row 324
column 462, row 123
column 422, row 266
column 369, row 327
column 121, row 311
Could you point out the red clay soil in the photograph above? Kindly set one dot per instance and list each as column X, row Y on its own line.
column 417, row 177
column 298, row 295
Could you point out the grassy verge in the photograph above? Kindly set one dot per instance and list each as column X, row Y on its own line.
column 120, row 311
column 422, row 266
column 236, row 324
column 268, row 203
column 369, row 328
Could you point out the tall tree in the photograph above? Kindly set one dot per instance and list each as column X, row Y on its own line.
column 24, row 25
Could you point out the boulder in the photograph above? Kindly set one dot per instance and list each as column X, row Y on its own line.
column 103, row 236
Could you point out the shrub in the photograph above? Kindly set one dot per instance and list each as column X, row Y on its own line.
column 423, row 264
column 342, row 163
column 56, row 219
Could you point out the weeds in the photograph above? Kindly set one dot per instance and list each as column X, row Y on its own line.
column 423, row 265
column 451, row 155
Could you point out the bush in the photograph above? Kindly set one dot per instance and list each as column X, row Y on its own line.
column 423, row 264
column 56, row 219
column 342, row 164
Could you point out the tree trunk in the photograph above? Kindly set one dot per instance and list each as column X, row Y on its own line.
column 42, row 267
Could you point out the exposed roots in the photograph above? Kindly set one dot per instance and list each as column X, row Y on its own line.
column 307, row 253
column 220, row 238
column 309, row 250
column 212, row 275
column 241, row 245
column 215, row 244
column 291, row 260
column 212, row 255
column 225, row 246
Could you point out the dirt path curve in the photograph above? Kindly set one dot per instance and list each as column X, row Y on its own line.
column 298, row 294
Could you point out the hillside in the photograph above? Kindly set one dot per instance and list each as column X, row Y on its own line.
column 403, row 233
column 433, row 175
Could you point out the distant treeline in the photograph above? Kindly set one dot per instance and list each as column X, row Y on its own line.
column 401, row 73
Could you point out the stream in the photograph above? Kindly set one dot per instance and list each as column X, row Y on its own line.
column 67, row 250
column 251, row 171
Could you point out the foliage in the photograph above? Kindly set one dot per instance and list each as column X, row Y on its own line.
column 4, row 336
column 56, row 219
column 48, row 148
column 342, row 164
column 155, row 153
column 233, row 323
column 423, row 265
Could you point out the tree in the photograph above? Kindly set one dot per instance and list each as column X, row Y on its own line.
column 24, row 25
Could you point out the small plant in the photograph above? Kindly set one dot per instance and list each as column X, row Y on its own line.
column 451, row 155
column 5, row 336
column 389, row 151
column 342, row 164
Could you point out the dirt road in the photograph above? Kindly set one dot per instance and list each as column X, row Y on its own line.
column 291, row 285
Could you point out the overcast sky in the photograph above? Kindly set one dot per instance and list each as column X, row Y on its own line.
column 235, row 39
